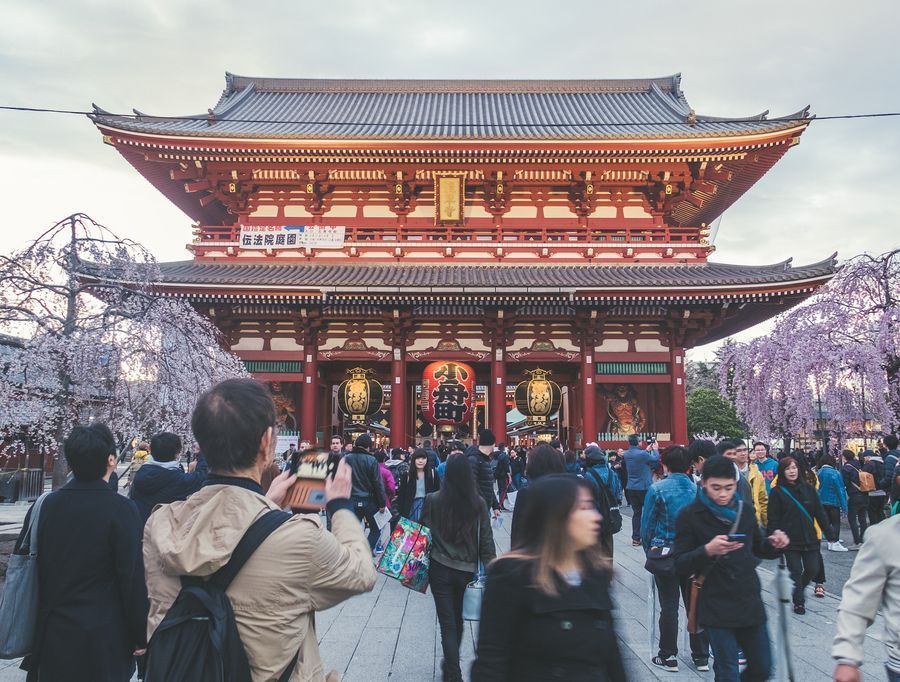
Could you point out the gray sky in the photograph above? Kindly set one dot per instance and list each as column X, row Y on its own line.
column 833, row 192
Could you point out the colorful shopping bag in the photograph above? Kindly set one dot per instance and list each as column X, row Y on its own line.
column 406, row 555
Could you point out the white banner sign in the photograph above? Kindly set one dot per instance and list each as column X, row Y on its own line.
column 292, row 236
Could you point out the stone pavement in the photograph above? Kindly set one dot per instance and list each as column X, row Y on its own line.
column 391, row 633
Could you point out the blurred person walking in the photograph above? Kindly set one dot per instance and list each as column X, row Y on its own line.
column 555, row 589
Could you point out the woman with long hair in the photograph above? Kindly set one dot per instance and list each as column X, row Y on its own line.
column 795, row 508
column 420, row 480
column 555, row 590
column 461, row 537
column 542, row 460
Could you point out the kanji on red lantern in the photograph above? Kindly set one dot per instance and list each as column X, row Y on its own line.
column 447, row 391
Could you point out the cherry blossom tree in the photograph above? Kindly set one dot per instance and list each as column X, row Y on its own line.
column 99, row 343
column 840, row 350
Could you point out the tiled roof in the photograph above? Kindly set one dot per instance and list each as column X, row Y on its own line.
column 363, row 277
column 450, row 110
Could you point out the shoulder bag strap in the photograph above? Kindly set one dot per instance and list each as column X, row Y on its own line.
column 31, row 535
column 264, row 526
column 799, row 506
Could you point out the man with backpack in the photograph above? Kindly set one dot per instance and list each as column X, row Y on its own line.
column 607, row 494
column 228, row 560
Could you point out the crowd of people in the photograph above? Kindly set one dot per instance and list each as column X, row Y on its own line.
column 703, row 515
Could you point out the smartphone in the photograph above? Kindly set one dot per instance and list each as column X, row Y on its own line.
column 311, row 468
column 737, row 537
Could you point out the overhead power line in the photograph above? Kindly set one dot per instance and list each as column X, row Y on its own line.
column 399, row 124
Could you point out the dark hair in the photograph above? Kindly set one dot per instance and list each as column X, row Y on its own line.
column 556, row 444
column 675, row 458
column 426, row 443
column 783, row 465
column 551, row 502
column 229, row 422
column 701, row 448
column 725, row 444
column 848, row 455
column 826, row 460
column 718, row 467
column 87, row 450
column 380, row 456
column 165, row 446
column 542, row 460
column 338, row 436
column 462, row 504
column 633, row 440
column 570, row 456
column 455, row 445
column 890, row 441
column 765, row 445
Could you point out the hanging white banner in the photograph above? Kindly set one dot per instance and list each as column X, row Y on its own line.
column 292, row 236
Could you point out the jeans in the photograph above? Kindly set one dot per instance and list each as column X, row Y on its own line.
column 517, row 481
column 891, row 675
column 833, row 532
column 636, row 500
column 502, row 490
column 366, row 510
column 803, row 566
column 668, row 588
column 876, row 508
column 753, row 641
column 858, row 507
column 448, row 586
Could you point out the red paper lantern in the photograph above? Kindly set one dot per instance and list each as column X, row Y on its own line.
column 448, row 392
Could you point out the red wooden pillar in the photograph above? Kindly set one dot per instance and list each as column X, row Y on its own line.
column 588, row 399
column 308, row 422
column 678, row 396
column 497, row 395
column 398, row 400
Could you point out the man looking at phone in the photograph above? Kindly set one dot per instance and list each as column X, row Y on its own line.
column 368, row 488
column 299, row 568
column 718, row 541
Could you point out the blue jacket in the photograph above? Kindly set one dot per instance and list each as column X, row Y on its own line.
column 663, row 504
column 832, row 491
column 608, row 477
column 768, row 468
column 154, row 484
column 639, row 464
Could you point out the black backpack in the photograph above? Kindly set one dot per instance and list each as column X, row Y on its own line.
column 198, row 639
column 606, row 505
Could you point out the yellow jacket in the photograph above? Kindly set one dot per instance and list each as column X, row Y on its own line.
column 760, row 498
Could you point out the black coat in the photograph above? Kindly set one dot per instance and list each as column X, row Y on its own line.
column 484, row 475
column 730, row 598
column 367, row 481
column 93, row 600
column 527, row 636
column 406, row 489
column 785, row 515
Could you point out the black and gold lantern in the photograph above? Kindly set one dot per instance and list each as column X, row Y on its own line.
column 538, row 398
column 360, row 396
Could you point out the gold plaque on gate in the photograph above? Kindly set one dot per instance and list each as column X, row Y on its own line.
column 449, row 198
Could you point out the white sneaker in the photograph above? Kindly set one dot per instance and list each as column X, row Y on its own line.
column 837, row 547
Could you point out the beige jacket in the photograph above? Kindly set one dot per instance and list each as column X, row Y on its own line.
column 300, row 569
column 874, row 584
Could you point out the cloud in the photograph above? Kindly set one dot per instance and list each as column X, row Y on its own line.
column 833, row 192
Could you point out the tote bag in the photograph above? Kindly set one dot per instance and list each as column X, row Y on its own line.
column 407, row 555
column 19, row 603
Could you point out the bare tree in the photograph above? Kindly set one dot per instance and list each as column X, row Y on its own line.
column 99, row 342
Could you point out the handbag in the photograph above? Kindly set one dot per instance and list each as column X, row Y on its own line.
column 698, row 580
column 471, row 609
column 660, row 561
column 19, row 603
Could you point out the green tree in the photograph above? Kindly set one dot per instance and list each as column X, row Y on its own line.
column 709, row 412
